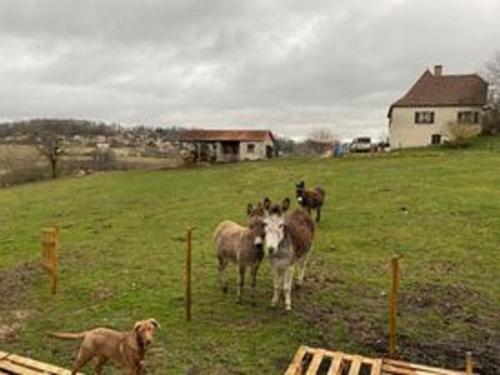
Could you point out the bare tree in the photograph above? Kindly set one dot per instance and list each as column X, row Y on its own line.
column 320, row 140
column 491, row 121
column 492, row 69
column 322, row 135
column 49, row 145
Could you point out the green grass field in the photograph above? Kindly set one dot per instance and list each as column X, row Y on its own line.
column 122, row 259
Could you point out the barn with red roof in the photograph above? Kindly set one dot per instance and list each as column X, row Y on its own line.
column 228, row 145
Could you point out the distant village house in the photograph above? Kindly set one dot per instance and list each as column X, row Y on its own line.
column 228, row 145
column 423, row 115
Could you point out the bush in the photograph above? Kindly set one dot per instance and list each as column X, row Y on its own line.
column 104, row 159
column 461, row 135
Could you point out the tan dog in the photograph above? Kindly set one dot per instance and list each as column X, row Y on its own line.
column 126, row 349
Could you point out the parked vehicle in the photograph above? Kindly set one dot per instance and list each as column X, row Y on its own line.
column 361, row 144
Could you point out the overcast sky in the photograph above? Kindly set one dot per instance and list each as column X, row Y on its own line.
column 290, row 66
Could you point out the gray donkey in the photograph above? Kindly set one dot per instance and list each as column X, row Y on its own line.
column 242, row 246
column 288, row 242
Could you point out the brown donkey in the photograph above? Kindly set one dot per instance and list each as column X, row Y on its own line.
column 288, row 242
column 242, row 246
column 310, row 199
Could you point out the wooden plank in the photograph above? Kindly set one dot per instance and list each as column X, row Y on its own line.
column 336, row 366
column 376, row 367
column 295, row 366
column 414, row 366
column 36, row 365
column 16, row 369
column 316, row 361
column 355, row 366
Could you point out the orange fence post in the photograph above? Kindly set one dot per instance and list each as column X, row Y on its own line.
column 393, row 307
column 468, row 363
column 188, row 274
column 50, row 255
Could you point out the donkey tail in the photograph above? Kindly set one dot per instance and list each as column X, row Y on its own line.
column 321, row 192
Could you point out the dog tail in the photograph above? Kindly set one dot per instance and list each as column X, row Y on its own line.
column 68, row 336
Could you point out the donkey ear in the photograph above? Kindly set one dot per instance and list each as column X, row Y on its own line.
column 249, row 209
column 285, row 205
column 267, row 203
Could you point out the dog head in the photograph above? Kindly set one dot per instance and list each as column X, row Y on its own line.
column 145, row 329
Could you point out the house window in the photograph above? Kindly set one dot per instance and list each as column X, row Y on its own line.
column 436, row 139
column 468, row 117
column 250, row 148
column 424, row 117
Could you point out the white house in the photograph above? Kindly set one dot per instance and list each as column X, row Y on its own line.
column 423, row 115
column 229, row 145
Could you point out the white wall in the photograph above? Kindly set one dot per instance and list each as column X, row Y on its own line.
column 259, row 152
column 403, row 132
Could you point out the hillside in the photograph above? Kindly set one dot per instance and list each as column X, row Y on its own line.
column 122, row 257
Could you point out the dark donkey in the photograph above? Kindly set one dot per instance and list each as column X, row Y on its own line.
column 242, row 246
column 288, row 242
column 310, row 199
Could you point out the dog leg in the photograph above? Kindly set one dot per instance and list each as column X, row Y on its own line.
column 318, row 214
column 101, row 361
column 84, row 356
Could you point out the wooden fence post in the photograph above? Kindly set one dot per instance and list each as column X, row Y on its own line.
column 188, row 274
column 393, row 307
column 50, row 255
column 468, row 363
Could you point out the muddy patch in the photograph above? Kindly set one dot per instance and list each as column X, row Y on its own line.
column 16, row 281
column 14, row 286
column 469, row 322
column 475, row 319
column 101, row 294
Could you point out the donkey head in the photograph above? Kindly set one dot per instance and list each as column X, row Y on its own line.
column 257, row 210
column 275, row 226
column 300, row 187
column 256, row 225
column 274, row 208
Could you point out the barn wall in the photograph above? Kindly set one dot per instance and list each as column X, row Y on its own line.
column 259, row 152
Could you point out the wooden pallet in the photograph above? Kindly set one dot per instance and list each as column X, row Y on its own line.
column 12, row 364
column 311, row 361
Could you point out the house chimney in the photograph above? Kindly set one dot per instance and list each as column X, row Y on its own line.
column 438, row 70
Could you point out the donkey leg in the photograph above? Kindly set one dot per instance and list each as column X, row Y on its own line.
column 254, row 271
column 302, row 265
column 241, row 281
column 288, row 281
column 278, row 285
column 222, row 274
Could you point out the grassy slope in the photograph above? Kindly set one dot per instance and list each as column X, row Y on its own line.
column 122, row 259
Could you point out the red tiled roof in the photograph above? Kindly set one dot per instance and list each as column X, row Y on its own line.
column 445, row 90
column 225, row 135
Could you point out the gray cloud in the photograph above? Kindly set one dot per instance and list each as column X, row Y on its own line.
column 287, row 65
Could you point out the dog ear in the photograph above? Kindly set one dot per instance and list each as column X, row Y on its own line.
column 155, row 323
column 249, row 209
column 137, row 326
column 285, row 205
column 267, row 203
